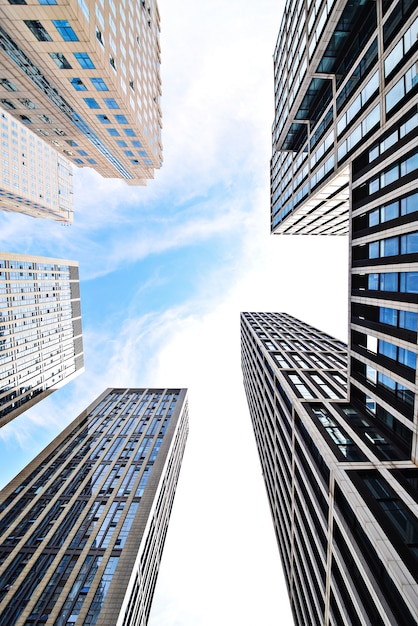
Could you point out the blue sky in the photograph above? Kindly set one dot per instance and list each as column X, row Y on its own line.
column 165, row 270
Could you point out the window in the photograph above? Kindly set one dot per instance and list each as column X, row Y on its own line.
column 408, row 81
column 7, row 84
column 111, row 103
column 7, row 104
column 84, row 60
column 47, row 1
column 92, row 103
column 103, row 119
column 129, row 132
column 37, row 30
column 113, row 132
column 78, row 84
column 65, row 30
column 121, row 143
column 99, row 84
column 27, row 103
column 121, row 119
column 60, row 60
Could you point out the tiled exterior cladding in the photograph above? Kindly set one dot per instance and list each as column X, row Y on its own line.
column 82, row 527
column 345, row 73
column 340, row 475
column 85, row 76
column 34, row 178
column 41, row 345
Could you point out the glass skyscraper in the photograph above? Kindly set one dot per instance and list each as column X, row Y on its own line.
column 341, row 477
column 340, row 460
column 84, row 75
column 41, row 344
column 82, row 527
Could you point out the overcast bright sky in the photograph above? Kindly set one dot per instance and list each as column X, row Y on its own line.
column 165, row 271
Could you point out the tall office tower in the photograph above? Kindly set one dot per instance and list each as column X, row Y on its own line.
column 345, row 124
column 85, row 75
column 34, row 178
column 41, row 346
column 82, row 527
column 340, row 473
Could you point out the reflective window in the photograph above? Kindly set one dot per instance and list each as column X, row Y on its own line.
column 402, row 87
column 78, row 84
column 84, row 60
column 99, row 84
column 38, row 30
column 65, row 30
column 60, row 60
column 111, row 103
column 92, row 103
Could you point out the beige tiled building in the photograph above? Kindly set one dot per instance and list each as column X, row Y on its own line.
column 82, row 527
column 34, row 178
column 85, row 76
column 41, row 345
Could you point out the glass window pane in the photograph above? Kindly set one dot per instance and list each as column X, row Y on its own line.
column 408, row 320
column 409, row 282
column 408, row 358
column 374, row 218
column 395, row 95
column 374, row 250
column 409, row 204
column 389, row 247
column 387, row 349
column 409, row 243
column 373, row 281
column 389, row 281
column 388, row 316
column 389, row 211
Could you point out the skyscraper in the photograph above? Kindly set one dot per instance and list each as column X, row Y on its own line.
column 340, row 474
column 345, row 161
column 41, row 346
column 345, row 79
column 34, row 178
column 85, row 75
column 82, row 527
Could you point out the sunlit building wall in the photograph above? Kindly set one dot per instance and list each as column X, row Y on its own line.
column 340, row 474
column 41, row 345
column 34, row 178
column 85, row 76
column 82, row 527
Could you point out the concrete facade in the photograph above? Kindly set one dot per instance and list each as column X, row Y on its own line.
column 85, row 76
column 34, row 178
column 82, row 527
column 41, row 345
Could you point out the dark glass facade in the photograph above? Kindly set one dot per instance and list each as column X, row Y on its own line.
column 340, row 475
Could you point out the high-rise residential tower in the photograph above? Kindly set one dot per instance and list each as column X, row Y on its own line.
column 82, row 527
column 34, row 178
column 340, row 472
column 41, row 346
column 85, row 76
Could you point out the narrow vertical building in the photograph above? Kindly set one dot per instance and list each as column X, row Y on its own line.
column 340, row 473
column 34, row 178
column 82, row 527
column 41, row 346
column 85, row 76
